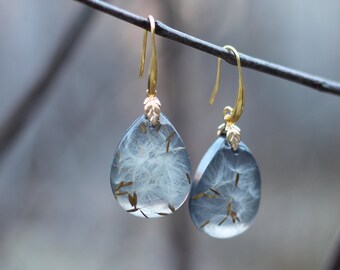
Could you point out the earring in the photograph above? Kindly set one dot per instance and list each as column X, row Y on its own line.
column 225, row 195
column 151, row 171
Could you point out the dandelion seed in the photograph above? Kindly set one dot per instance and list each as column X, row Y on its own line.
column 126, row 184
column 188, row 177
column 205, row 223
column 163, row 214
column 158, row 127
column 167, row 141
column 215, row 191
column 132, row 210
column 210, row 196
column 123, row 184
column 234, row 217
column 119, row 186
column 135, row 199
column 131, row 200
column 121, row 193
column 198, row 196
column 170, row 136
column 222, row 221
column 228, row 209
column 237, row 178
column 143, row 127
column 171, row 207
column 201, row 195
column 143, row 213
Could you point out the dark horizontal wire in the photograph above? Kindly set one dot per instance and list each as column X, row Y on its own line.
column 250, row 62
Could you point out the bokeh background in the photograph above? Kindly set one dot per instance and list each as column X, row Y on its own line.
column 56, row 206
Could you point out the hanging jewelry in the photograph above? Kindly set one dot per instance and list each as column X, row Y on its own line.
column 151, row 171
column 225, row 195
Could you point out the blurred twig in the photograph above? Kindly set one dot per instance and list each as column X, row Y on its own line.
column 179, row 227
column 21, row 114
column 333, row 262
column 299, row 77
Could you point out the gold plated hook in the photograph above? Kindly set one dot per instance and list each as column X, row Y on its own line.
column 231, row 115
column 152, row 81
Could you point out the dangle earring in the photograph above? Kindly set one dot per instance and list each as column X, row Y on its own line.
column 225, row 195
column 151, row 171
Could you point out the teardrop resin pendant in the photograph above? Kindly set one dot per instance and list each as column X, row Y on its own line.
column 225, row 196
column 150, row 174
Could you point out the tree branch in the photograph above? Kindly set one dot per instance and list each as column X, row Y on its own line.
column 22, row 113
column 250, row 62
column 333, row 262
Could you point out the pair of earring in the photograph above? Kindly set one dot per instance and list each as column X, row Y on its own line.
column 151, row 171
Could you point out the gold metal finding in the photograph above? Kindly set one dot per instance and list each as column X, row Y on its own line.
column 152, row 81
column 231, row 115
column 152, row 109
column 152, row 105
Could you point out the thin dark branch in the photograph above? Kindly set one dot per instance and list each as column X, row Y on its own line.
column 163, row 30
column 21, row 114
column 333, row 262
column 179, row 226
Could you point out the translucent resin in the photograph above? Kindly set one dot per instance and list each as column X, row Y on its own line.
column 151, row 172
column 225, row 195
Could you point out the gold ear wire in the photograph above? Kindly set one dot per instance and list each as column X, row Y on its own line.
column 152, row 80
column 231, row 115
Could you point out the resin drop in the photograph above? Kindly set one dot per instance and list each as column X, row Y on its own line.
column 225, row 195
column 151, row 172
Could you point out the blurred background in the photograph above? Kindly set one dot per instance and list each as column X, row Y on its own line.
column 75, row 73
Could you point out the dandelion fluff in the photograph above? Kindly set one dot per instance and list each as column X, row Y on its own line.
column 154, row 160
column 231, row 206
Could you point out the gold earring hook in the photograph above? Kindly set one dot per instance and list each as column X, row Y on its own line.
column 152, row 81
column 231, row 115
